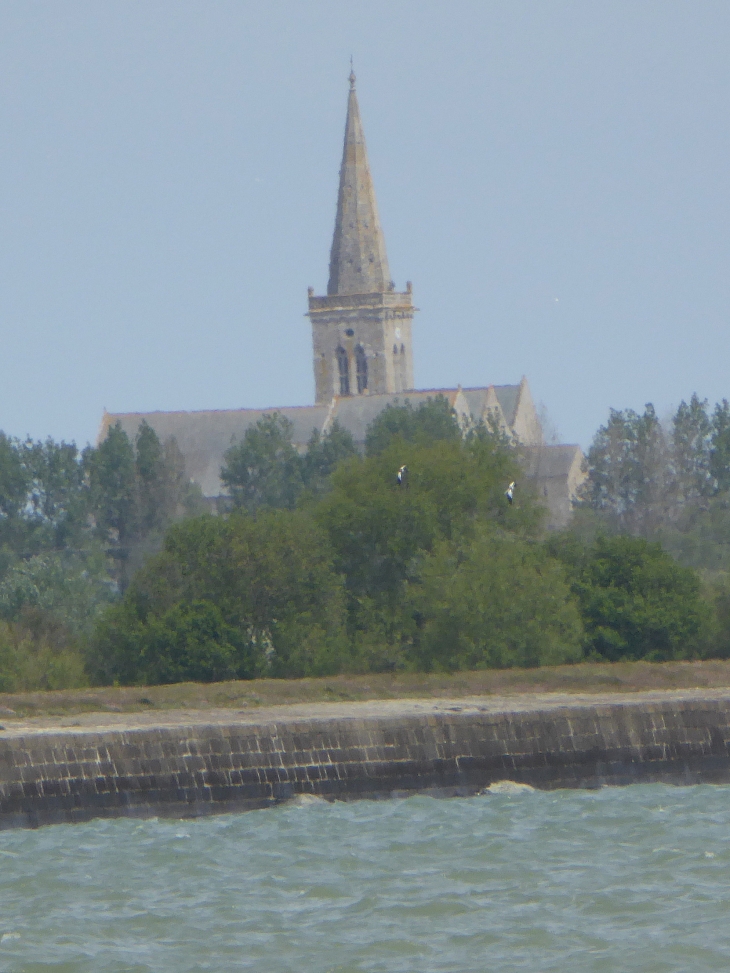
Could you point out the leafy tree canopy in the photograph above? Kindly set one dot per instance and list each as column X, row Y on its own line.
column 431, row 421
column 261, row 588
column 636, row 601
column 324, row 454
column 263, row 470
column 493, row 602
column 376, row 528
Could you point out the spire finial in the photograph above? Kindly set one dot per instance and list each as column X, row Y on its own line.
column 352, row 75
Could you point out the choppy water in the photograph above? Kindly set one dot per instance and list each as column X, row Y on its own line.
column 625, row 879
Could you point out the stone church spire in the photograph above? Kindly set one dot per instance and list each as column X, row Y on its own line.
column 361, row 330
column 358, row 261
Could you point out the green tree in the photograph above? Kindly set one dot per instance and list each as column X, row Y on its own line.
column 493, row 602
column 431, row 421
column 135, row 492
column 636, row 601
column 693, row 481
column 58, row 501
column 43, row 497
column 264, row 470
column 378, row 530
column 164, row 494
column 699, row 538
column 720, row 446
column 628, row 483
column 57, row 594
column 324, row 454
column 113, row 487
column 153, row 491
column 14, row 487
column 261, row 588
column 29, row 662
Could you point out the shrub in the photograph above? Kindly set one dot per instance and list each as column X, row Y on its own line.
column 493, row 603
column 636, row 601
column 241, row 597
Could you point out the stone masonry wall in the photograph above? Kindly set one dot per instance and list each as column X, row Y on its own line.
column 190, row 770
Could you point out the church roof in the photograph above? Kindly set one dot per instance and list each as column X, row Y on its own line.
column 548, row 461
column 356, row 412
column 508, row 397
column 204, row 437
column 358, row 261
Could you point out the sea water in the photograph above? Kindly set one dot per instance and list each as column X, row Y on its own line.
column 619, row 879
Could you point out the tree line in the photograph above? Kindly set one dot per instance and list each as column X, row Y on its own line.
column 74, row 527
column 668, row 482
column 324, row 564
column 321, row 563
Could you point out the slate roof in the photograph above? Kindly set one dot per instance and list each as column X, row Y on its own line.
column 543, row 462
column 356, row 412
column 204, row 437
column 508, row 397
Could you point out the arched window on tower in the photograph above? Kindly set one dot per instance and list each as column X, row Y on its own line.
column 361, row 362
column 344, row 366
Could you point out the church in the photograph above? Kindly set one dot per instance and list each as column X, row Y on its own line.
column 362, row 342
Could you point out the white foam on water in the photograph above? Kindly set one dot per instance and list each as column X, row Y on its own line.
column 507, row 787
column 305, row 800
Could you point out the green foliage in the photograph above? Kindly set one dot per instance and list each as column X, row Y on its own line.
column 628, row 473
column 700, row 536
column 324, row 454
column 112, row 485
column 635, row 600
column 68, row 588
column 263, row 470
column 261, row 589
column 649, row 482
column 42, row 495
column 377, row 528
column 14, row 481
column 333, row 587
column 432, row 421
column 691, row 453
column 29, row 662
column 493, row 602
column 720, row 446
column 135, row 492
column 72, row 529
column 440, row 574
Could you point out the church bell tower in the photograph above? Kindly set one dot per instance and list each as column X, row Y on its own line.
column 361, row 331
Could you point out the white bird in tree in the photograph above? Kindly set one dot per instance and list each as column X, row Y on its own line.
column 402, row 476
column 510, row 493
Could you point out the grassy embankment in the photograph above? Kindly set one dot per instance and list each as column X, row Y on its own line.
column 584, row 678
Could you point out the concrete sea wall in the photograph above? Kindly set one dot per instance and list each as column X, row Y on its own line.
column 187, row 766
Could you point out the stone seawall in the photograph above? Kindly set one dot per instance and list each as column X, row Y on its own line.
column 193, row 764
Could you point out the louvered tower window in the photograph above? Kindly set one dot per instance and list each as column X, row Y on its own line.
column 344, row 366
column 361, row 362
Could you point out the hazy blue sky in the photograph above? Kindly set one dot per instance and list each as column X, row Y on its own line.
column 553, row 177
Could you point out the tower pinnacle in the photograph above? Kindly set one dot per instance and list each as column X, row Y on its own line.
column 358, row 260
